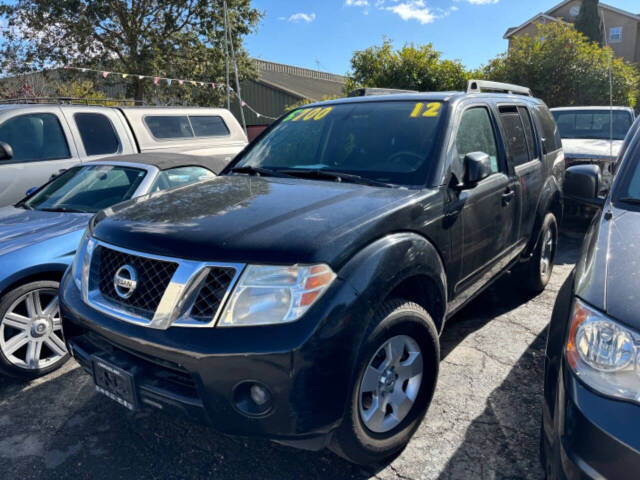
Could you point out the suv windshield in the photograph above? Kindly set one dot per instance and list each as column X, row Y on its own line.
column 593, row 124
column 86, row 189
column 389, row 142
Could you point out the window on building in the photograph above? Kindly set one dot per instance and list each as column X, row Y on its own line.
column 97, row 133
column 615, row 35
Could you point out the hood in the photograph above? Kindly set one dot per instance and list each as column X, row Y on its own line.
column 20, row 228
column 609, row 274
column 255, row 219
column 590, row 148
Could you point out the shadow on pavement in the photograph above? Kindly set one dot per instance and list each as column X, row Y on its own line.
column 503, row 442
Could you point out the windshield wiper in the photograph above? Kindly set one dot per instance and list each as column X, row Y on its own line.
column 64, row 210
column 630, row 200
column 337, row 176
column 258, row 171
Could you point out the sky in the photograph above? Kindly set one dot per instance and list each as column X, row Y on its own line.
column 323, row 34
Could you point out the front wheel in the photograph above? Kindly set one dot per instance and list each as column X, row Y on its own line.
column 31, row 341
column 393, row 385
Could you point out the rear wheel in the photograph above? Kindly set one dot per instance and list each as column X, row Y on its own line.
column 31, row 341
column 393, row 385
column 536, row 272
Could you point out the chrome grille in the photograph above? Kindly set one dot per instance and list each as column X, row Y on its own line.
column 212, row 293
column 153, row 279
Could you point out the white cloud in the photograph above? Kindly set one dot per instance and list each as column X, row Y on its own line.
column 413, row 10
column 302, row 17
column 356, row 3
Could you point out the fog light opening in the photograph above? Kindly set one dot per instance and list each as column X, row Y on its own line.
column 252, row 399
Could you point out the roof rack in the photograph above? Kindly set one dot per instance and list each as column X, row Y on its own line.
column 68, row 101
column 367, row 92
column 479, row 86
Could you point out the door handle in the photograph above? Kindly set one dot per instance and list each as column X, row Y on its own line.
column 508, row 196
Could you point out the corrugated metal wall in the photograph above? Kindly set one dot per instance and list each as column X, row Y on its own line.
column 264, row 99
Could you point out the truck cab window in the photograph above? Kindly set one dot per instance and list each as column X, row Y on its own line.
column 97, row 133
column 35, row 136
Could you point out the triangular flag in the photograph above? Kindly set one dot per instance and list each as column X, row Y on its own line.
column 140, row 77
column 105, row 74
column 213, row 85
column 180, row 82
column 66, row 66
column 156, row 80
column 168, row 81
column 125, row 75
column 244, row 104
column 193, row 82
column 83, row 70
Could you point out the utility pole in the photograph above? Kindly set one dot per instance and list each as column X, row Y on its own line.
column 235, row 67
column 226, row 55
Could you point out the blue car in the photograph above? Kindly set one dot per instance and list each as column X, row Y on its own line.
column 39, row 236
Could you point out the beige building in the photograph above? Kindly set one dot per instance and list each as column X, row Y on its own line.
column 622, row 29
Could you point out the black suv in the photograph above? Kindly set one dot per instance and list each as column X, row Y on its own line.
column 300, row 295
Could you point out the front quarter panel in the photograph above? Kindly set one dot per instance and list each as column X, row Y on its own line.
column 379, row 268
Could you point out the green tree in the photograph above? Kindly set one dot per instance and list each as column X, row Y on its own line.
column 564, row 68
column 411, row 67
column 169, row 38
column 589, row 22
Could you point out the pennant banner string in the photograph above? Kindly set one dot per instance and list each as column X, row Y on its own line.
column 156, row 81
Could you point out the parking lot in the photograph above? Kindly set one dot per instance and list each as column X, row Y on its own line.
column 483, row 422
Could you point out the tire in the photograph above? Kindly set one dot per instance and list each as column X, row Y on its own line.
column 31, row 343
column 535, row 273
column 398, row 322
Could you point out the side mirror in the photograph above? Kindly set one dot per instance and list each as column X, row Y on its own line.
column 582, row 184
column 31, row 191
column 6, row 152
column 477, row 167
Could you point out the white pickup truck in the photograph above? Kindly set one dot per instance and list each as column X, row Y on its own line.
column 38, row 140
column 593, row 135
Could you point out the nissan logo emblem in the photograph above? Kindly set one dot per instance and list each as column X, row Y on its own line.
column 125, row 281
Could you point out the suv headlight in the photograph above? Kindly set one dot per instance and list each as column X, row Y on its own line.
column 268, row 295
column 80, row 265
column 603, row 353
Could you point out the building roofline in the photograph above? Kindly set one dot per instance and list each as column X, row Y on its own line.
column 603, row 5
column 299, row 71
column 514, row 30
column 548, row 15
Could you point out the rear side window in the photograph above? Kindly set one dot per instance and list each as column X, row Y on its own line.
column 97, row 133
column 208, row 126
column 528, row 132
column 180, row 176
column 183, row 126
column 169, row 126
column 35, row 137
column 475, row 134
column 549, row 128
column 514, row 135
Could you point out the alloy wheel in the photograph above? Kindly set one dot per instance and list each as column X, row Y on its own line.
column 390, row 384
column 546, row 257
column 31, row 331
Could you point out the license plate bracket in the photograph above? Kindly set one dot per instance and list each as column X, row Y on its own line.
column 114, row 382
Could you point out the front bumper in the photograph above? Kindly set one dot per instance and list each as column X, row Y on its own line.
column 305, row 365
column 597, row 437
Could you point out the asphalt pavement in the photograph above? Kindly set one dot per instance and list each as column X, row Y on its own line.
column 483, row 423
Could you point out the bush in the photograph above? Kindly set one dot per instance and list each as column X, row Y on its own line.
column 564, row 68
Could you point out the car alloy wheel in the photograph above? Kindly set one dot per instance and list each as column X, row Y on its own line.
column 31, row 331
column 547, row 254
column 390, row 384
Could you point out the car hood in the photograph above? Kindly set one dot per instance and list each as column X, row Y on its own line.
column 590, row 148
column 256, row 219
column 609, row 272
column 21, row 228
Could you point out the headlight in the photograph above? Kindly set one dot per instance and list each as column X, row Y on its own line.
column 603, row 353
column 267, row 295
column 80, row 266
